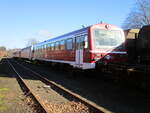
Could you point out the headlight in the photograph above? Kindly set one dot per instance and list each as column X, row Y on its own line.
column 108, row 57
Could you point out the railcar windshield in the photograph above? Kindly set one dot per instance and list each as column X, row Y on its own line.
column 107, row 38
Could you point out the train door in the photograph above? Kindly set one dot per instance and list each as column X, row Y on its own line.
column 32, row 52
column 80, row 43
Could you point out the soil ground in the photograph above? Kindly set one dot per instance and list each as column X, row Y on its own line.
column 12, row 99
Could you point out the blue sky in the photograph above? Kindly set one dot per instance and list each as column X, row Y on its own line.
column 21, row 20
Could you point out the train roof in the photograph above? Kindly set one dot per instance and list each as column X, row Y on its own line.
column 65, row 35
column 76, row 32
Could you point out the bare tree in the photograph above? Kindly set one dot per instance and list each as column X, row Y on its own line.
column 139, row 16
column 31, row 42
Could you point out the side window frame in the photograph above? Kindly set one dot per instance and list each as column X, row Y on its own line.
column 67, row 44
column 62, row 45
column 52, row 46
column 57, row 45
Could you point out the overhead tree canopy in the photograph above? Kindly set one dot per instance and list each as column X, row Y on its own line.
column 139, row 16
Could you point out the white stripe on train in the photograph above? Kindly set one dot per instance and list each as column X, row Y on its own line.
column 72, row 63
column 116, row 52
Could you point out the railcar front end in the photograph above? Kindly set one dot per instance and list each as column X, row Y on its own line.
column 107, row 44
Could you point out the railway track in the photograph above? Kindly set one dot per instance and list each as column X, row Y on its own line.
column 92, row 107
column 28, row 91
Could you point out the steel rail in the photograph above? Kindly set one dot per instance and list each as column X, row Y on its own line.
column 36, row 98
column 94, row 107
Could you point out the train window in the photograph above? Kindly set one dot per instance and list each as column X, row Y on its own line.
column 85, row 41
column 73, row 46
column 81, row 42
column 52, row 46
column 107, row 38
column 77, row 43
column 69, row 44
column 62, row 45
column 56, row 45
column 49, row 46
column 39, row 48
column 44, row 47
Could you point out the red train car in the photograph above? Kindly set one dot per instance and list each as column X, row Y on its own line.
column 84, row 48
column 26, row 53
column 17, row 54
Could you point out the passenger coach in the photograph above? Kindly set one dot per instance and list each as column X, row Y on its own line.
column 83, row 48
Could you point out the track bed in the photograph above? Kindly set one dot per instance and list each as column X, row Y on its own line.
column 12, row 99
column 113, row 96
column 50, row 99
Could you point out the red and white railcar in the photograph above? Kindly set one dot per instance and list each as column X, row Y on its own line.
column 84, row 48
column 17, row 54
column 26, row 53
